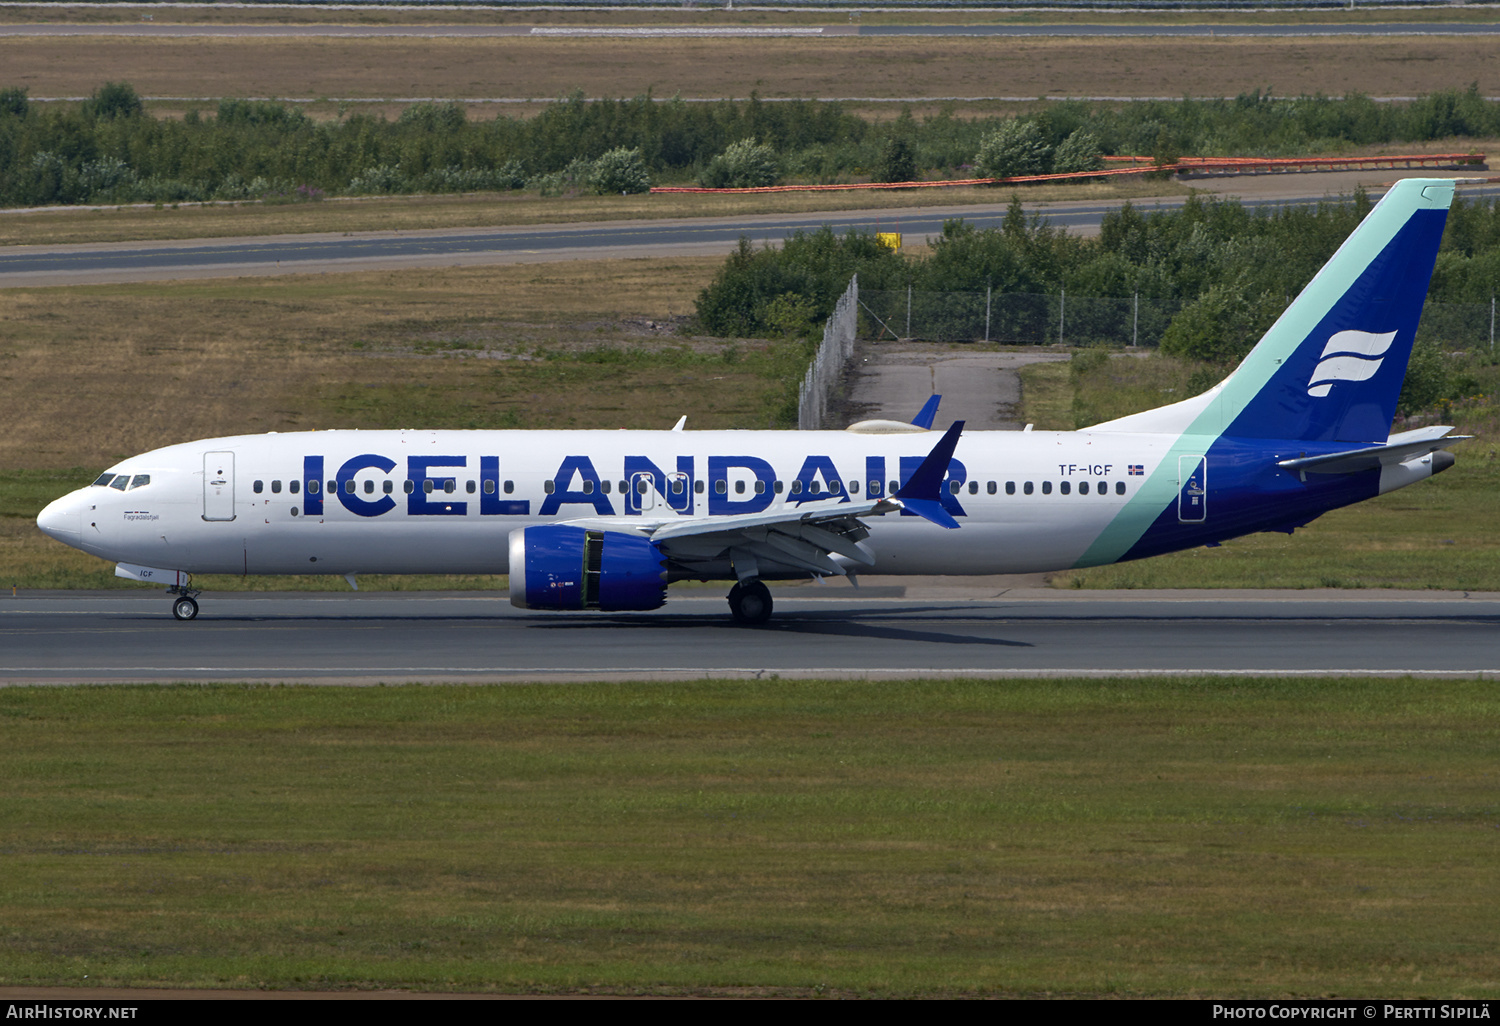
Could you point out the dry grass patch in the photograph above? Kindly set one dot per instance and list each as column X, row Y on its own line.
column 91, row 374
column 545, row 68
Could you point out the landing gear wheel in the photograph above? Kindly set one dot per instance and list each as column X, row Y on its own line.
column 185, row 608
column 750, row 602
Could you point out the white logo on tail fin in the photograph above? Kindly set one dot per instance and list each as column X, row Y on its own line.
column 1349, row 356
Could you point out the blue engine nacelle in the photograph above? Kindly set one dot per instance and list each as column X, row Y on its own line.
column 555, row 566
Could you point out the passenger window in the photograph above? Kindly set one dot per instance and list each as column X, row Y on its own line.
column 990, row 488
column 469, row 487
column 720, row 488
column 973, row 487
column 739, row 488
column 895, row 486
column 624, row 487
column 510, row 486
column 120, row 483
column 1027, row 488
column 276, row 487
column 1046, row 487
column 760, row 487
column 258, row 487
column 450, row 484
column 776, row 487
column 1063, row 486
column 387, row 486
column 796, row 487
column 677, row 486
column 294, row 486
column 548, row 487
column 349, row 487
column 953, row 487
column 408, row 486
column 698, row 487
column 104, row 479
column 312, row 487
column 139, row 480
column 1010, row 488
column 605, row 486
column 588, row 488
column 1083, row 487
column 369, row 487
column 1119, row 487
column 641, row 486
column 833, row 487
column 333, row 487
column 854, row 487
column 489, row 487
column 816, row 487
column 874, row 487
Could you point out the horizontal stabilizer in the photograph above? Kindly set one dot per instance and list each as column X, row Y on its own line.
column 1407, row 445
column 922, row 493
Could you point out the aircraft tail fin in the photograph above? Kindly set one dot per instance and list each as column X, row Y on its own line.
column 1330, row 369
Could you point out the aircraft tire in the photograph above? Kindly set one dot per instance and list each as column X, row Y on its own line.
column 185, row 608
column 750, row 603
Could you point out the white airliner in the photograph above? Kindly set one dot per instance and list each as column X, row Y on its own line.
column 607, row 519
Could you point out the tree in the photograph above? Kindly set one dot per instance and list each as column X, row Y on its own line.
column 619, row 170
column 114, row 100
column 1078, row 152
column 898, row 162
column 1015, row 148
column 743, row 165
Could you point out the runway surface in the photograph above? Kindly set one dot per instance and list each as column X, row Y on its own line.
column 154, row 30
column 289, row 254
column 365, row 639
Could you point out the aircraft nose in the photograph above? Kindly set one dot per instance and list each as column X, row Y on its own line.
column 63, row 520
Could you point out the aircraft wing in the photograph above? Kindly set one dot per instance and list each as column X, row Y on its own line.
column 1399, row 448
column 802, row 538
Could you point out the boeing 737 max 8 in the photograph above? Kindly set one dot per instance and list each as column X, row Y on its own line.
column 607, row 519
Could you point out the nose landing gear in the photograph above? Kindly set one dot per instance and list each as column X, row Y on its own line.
column 185, row 606
column 750, row 602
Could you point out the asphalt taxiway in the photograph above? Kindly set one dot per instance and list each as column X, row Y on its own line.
column 95, row 263
column 816, row 632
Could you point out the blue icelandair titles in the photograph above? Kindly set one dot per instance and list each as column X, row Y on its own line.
column 606, row 520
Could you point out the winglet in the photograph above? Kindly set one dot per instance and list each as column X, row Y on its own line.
column 929, row 411
column 922, row 493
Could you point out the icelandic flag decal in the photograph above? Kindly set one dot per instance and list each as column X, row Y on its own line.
column 1136, row 470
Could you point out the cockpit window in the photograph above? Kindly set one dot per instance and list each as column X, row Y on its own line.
column 139, row 480
column 120, row 483
column 104, row 479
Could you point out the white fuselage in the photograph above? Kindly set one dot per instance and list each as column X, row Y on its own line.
column 445, row 501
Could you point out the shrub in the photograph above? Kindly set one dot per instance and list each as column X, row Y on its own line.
column 434, row 117
column 113, row 100
column 13, row 103
column 743, row 165
column 1078, row 152
column 898, row 162
column 619, row 170
column 1015, row 148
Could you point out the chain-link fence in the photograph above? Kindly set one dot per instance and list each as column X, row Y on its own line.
column 1459, row 326
column 827, row 368
column 1021, row 318
column 1014, row 317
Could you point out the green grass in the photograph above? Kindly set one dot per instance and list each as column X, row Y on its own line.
column 1128, row 837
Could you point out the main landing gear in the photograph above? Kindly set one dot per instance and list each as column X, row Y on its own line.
column 750, row 602
column 185, row 606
